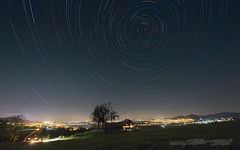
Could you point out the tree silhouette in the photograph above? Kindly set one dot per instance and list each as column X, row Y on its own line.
column 11, row 128
column 103, row 113
column 113, row 115
column 15, row 129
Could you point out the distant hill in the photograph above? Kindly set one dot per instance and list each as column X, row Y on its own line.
column 210, row 116
column 222, row 115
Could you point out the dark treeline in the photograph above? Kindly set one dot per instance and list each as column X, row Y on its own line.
column 11, row 128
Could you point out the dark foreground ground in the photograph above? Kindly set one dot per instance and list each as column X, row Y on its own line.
column 149, row 138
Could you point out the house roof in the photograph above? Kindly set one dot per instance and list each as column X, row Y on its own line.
column 119, row 124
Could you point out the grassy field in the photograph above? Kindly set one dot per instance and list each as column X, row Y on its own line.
column 149, row 138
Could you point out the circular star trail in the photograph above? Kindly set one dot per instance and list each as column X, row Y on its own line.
column 152, row 44
column 72, row 54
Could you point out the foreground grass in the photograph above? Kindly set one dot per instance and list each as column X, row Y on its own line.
column 149, row 138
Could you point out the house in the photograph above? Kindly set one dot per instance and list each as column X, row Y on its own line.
column 125, row 125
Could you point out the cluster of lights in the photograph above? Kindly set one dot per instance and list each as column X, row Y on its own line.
column 172, row 121
column 179, row 121
column 207, row 121
column 54, row 124
column 34, row 140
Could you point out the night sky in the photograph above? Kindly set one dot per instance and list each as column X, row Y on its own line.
column 150, row 58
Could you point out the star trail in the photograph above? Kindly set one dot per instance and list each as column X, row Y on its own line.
column 150, row 58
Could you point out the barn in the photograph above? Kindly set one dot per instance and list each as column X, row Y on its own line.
column 125, row 125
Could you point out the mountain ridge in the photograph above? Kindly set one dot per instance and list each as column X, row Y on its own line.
column 209, row 116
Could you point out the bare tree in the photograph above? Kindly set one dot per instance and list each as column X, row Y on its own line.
column 14, row 128
column 113, row 115
column 3, row 130
column 11, row 128
column 96, row 115
column 102, row 113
